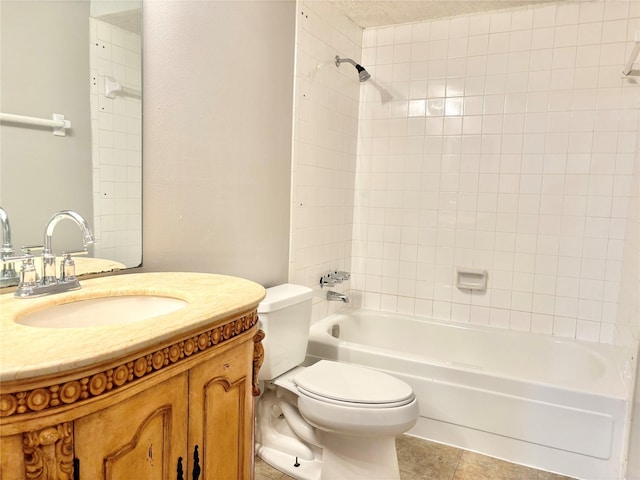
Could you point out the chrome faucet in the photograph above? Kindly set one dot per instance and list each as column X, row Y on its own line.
column 327, row 280
column 341, row 276
column 331, row 278
column 8, row 275
column 49, row 283
column 6, row 231
column 48, row 257
column 337, row 297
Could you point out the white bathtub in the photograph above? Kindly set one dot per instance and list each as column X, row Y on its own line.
column 553, row 404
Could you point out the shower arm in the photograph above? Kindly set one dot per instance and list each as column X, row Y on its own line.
column 348, row 60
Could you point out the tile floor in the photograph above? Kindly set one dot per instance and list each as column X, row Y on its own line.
column 423, row 460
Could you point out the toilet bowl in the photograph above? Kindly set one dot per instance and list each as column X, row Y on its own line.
column 329, row 420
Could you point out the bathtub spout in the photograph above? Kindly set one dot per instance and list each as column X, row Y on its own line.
column 337, row 297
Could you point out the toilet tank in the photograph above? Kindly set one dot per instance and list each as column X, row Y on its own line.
column 285, row 317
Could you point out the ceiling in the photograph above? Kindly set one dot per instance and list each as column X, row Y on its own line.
column 375, row 13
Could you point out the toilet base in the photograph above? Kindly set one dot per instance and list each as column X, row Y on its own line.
column 359, row 458
column 305, row 469
column 340, row 450
column 371, row 459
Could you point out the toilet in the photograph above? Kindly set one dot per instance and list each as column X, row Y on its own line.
column 328, row 420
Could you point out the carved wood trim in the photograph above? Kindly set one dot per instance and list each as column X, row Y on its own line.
column 88, row 387
column 258, row 358
column 48, row 453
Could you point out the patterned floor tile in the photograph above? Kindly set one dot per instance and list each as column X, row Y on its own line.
column 431, row 461
column 473, row 466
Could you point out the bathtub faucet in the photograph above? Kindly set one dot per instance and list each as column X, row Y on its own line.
column 341, row 276
column 337, row 297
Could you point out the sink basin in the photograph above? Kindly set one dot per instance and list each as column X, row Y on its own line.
column 103, row 311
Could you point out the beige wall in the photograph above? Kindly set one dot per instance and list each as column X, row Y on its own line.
column 44, row 69
column 217, row 115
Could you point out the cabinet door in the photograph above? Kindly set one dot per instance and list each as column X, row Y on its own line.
column 221, row 415
column 138, row 438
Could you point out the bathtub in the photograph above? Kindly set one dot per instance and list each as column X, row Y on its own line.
column 553, row 404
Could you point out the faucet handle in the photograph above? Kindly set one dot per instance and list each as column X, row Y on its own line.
column 76, row 253
column 67, row 268
column 327, row 280
column 340, row 276
column 16, row 258
column 27, row 249
column 28, row 273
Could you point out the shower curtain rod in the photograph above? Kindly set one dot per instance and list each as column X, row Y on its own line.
column 58, row 123
column 113, row 87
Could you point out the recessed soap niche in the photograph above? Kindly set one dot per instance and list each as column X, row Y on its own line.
column 474, row 279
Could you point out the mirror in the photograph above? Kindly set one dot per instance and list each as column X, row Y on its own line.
column 80, row 59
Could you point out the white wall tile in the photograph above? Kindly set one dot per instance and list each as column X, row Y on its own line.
column 528, row 141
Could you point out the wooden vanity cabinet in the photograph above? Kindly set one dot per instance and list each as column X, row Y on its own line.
column 185, row 412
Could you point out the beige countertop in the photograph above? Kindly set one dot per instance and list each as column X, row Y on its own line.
column 27, row 352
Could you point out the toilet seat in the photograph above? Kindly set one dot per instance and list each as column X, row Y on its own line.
column 351, row 385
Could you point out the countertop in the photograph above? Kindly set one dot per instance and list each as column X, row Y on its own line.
column 29, row 352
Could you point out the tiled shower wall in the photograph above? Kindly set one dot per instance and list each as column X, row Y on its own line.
column 325, row 139
column 508, row 145
column 116, row 131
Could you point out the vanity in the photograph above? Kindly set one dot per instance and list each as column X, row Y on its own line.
column 160, row 390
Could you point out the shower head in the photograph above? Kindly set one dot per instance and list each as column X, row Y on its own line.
column 362, row 73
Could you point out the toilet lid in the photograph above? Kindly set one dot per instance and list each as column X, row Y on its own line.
column 346, row 383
